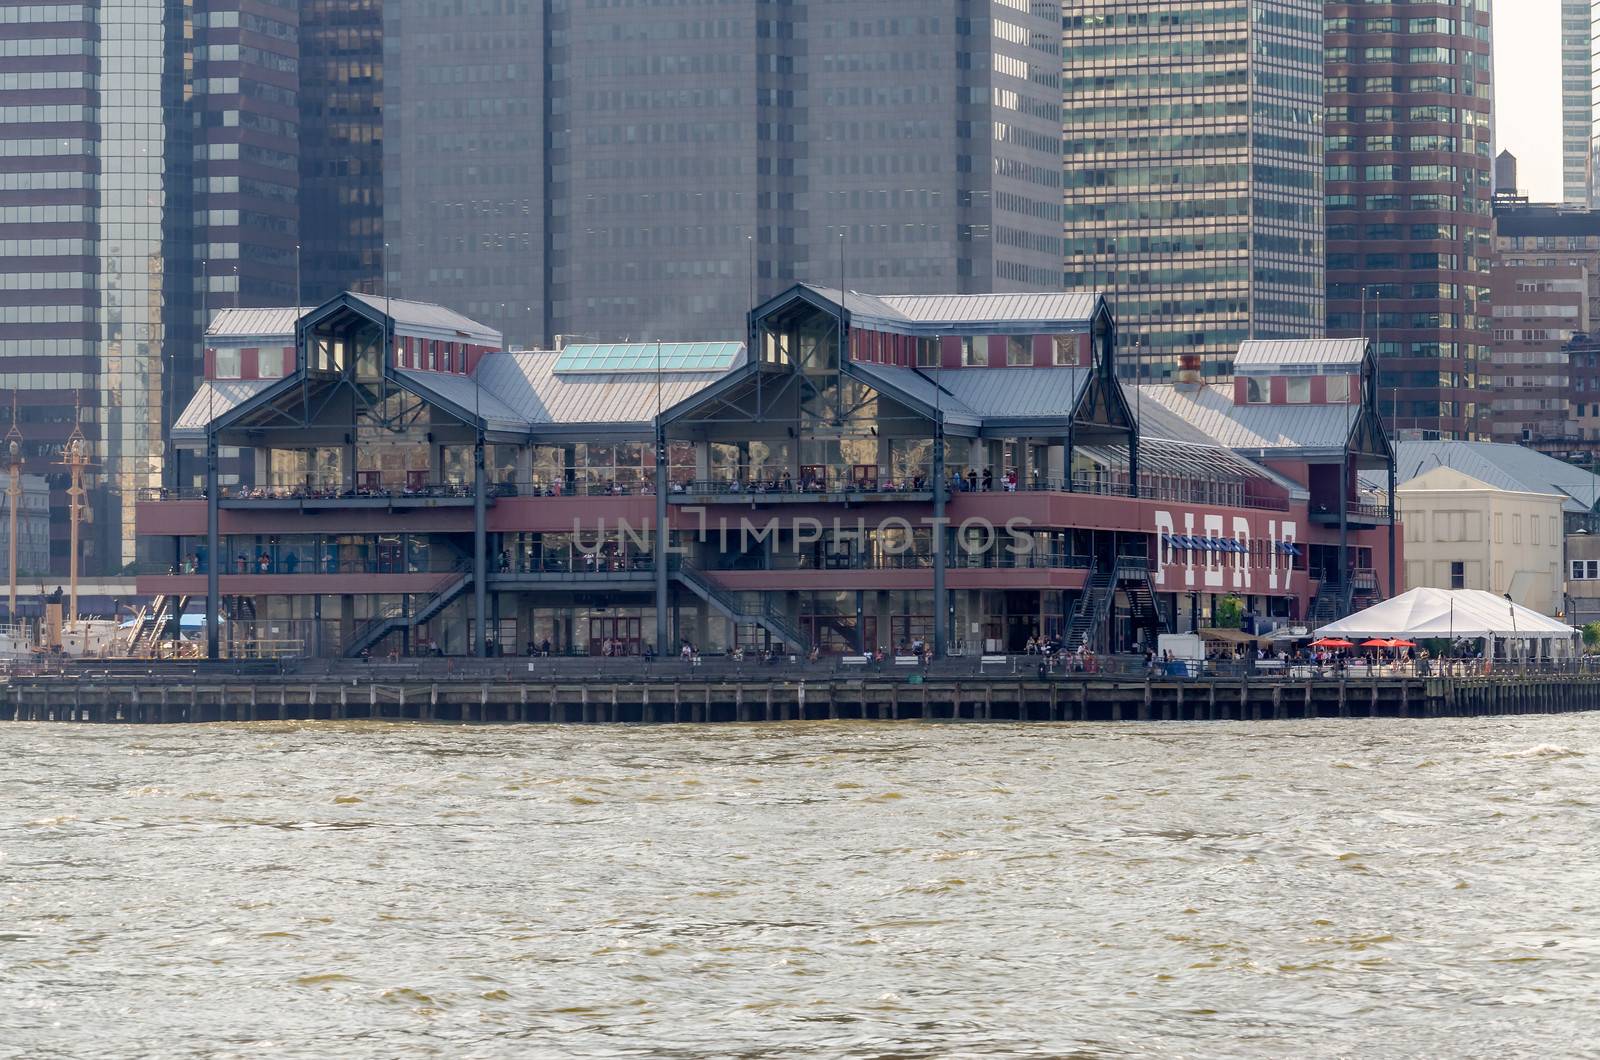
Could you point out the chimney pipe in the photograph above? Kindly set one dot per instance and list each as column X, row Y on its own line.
column 1189, row 369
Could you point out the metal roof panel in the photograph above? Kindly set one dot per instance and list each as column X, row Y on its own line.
column 1211, row 411
column 427, row 320
column 256, row 323
column 1261, row 355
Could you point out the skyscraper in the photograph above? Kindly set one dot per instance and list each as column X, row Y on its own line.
column 637, row 172
column 1408, row 190
column 1575, row 100
column 341, row 148
column 148, row 170
column 1193, row 142
column 95, row 245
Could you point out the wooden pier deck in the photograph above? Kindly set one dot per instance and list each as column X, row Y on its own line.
column 200, row 698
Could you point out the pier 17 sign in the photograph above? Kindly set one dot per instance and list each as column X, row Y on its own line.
column 1202, row 550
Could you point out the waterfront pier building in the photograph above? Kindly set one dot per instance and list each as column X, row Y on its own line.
column 855, row 471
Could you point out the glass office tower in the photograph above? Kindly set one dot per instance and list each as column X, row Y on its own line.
column 341, row 147
column 1193, row 172
column 648, row 170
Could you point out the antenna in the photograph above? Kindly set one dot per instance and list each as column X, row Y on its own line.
column 76, row 460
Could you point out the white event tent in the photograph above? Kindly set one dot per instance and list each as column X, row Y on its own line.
column 1473, row 614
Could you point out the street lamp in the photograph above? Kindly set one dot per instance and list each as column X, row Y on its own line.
column 1511, row 606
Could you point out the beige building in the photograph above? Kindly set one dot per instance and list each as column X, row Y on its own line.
column 1464, row 533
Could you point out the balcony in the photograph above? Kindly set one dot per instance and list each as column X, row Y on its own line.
column 274, row 498
column 820, row 489
column 1358, row 516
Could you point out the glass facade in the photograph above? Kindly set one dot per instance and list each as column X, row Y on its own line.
column 1575, row 100
column 341, row 148
column 633, row 172
column 1594, row 104
column 1408, row 186
column 50, row 176
column 147, row 336
column 1193, row 172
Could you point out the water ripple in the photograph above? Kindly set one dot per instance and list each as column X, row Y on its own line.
column 1361, row 889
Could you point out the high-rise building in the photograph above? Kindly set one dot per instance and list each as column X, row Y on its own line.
column 1576, row 93
column 148, row 172
column 650, row 171
column 341, row 148
column 1193, row 172
column 1408, row 190
column 246, row 159
column 1593, row 171
column 95, row 243
column 1546, row 293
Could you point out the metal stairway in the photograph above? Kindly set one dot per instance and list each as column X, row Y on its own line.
column 154, row 624
column 1331, row 603
column 1087, row 623
column 767, row 617
column 1146, row 613
column 393, row 617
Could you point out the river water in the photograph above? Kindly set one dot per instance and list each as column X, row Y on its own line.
column 1352, row 888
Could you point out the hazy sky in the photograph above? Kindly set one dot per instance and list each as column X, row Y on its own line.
column 1527, row 92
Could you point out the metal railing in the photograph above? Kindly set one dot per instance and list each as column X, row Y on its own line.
column 1356, row 510
column 787, row 485
column 764, row 614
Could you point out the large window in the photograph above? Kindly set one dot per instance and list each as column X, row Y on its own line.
column 927, row 353
column 1299, row 391
column 1019, row 351
column 1338, row 389
column 226, row 363
column 975, row 351
column 1065, row 348
column 1257, row 391
column 1458, row 575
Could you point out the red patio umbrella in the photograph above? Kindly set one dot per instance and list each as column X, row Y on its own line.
column 1376, row 643
column 1331, row 642
column 1402, row 644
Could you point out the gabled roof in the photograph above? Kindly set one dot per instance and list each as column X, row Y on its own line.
column 1019, row 393
column 1508, row 467
column 982, row 398
column 917, row 390
column 274, row 323
column 213, row 399
column 534, row 391
column 1299, row 356
column 1067, row 306
column 429, row 321
column 1275, row 430
column 464, row 397
column 967, row 314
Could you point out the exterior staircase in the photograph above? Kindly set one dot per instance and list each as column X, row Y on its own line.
column 394, row 618
column 1086, row 626
column 1135, row 580
column 154, row 624
column 731, row 604
column 1331, row 603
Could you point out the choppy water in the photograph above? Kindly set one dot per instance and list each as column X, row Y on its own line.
column 1359, row 888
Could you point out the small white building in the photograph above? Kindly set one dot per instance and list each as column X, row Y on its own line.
column 1502, row 518
column 1464, row 533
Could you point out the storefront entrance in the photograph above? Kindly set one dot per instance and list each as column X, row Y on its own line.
column 615, row 636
